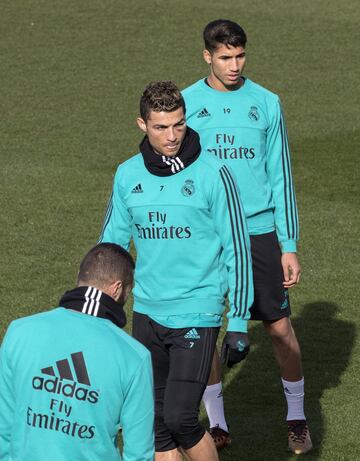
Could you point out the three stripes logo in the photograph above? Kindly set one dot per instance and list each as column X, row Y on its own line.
column 137, row 189
column 203, row 113
column 73, row 370
column 92, row 301
column 65, row 372
column 174, row 163
column 192, row 334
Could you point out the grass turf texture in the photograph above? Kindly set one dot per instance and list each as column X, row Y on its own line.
column 72, row 74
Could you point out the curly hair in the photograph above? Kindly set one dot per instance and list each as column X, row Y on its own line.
column 163, row 96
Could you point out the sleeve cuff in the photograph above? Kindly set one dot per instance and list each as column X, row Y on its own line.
column 288, row 246
column 238, row 325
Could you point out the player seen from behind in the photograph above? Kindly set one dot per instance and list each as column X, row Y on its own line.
column 70, row 378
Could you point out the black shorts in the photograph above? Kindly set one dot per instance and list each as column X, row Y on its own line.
column 181, row 360
column 271, row 299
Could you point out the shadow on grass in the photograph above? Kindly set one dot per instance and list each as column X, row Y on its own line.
column 254, row 401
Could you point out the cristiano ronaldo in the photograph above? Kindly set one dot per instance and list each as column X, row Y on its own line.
column 182, row 209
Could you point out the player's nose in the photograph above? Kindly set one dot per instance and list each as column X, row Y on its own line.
column 171, row 134
column 234, row 65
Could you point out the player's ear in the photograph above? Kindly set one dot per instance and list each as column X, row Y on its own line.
column 141, row 124
column 116, row 289
column 207, row 56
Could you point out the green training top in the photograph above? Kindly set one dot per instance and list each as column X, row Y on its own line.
column 190, row 236
column 245, row 129
column 68, row 382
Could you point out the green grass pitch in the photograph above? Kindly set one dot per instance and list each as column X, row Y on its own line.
column 71, row 76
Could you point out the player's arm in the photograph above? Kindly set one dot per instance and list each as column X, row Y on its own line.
column 283, row 193
column 7, row 399
column 137, row 416
column 280, row 178
column 230, row 224
column 117, row 222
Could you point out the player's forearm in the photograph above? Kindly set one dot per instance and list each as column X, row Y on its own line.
column 287, row 224
column 279, row 175
column 236, row 251
column 288, row 246
column 241, row 297
column 285, row 213
column 237, row 324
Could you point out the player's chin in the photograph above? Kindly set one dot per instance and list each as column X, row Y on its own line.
column 171, row 152
column 233, row 81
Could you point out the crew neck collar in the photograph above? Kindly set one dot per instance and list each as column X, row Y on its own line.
column 205, row 86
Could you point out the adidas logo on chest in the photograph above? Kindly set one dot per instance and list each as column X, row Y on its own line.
column 137, row 189
column 203, row 113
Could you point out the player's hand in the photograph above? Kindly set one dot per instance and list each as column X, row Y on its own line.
column 235, row 348
column 291, row 268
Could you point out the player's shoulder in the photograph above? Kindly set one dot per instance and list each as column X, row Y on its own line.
column 134, row 162
column 28, row 323
column 260, row 91
column 188, row 91
column 33, row 318
column 127, row 344
column 132, row 166
column 210, row 163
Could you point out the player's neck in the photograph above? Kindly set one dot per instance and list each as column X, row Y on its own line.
column 218, row 85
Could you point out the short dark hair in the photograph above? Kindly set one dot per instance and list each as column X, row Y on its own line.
column 225, row 32
column 106, row 263
column 160, row 96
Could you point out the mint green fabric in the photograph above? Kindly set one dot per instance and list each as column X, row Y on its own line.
column 191, row 239
column 45, row 418
column 188, row 320
column 246, row 130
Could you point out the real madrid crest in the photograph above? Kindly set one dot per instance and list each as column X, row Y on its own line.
column 254, row 114
column 188, row 188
